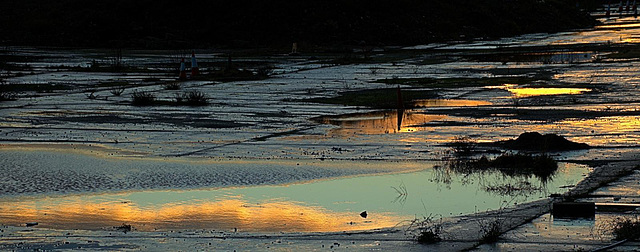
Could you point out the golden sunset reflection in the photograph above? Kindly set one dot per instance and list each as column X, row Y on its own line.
column 529, row 91
column 449, row 103
column 602, row 131
column 623, row 127
column 224, row 215
column 379, row 122
column 618, row 26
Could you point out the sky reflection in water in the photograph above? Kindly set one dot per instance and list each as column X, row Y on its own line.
column 330, row 205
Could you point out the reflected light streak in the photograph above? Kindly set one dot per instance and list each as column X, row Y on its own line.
column 449, row 103
column 220, row 215
column 530, row 91
column 379, row 122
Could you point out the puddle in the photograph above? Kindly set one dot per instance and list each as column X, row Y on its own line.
column 99, row 212
column 379, row 122
column 328, row 205
column 529, row 91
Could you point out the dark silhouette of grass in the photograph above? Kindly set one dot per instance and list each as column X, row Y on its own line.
column 519, row 164
column 463, row 145
column 430, row 230
column 117, row 91
column 195, row 98
column 172, row 86
column 490, row 231
column 626, row 229
column 142, row 98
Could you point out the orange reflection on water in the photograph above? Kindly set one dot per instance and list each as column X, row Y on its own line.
column 531, row 91
column 618, row 26
column 449, row 103
column 606, row 130
column 525, row 92
column 219, row 215
column 379, row 122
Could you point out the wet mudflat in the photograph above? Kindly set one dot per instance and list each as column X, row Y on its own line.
column 315, row 140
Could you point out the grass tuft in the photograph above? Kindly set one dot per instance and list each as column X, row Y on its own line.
column 430, row 230
column 117, row 91
column 142, row 98
column 463, row 146
column 172, row 86
column 490, row 231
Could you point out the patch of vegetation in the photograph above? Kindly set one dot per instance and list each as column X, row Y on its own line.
column 522, row 164
column 519, row 164
column 386, row 98
column 626, row 228
column 124, row 228
column 192, row 98
column 463, row 146
column 142, row 98
column 429, row 235
column 430, row 230
column 172, row 86
column 117, row 91
column 490, row 231
column 456, row 82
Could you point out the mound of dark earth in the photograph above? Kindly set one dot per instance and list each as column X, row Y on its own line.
column 534, row 141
